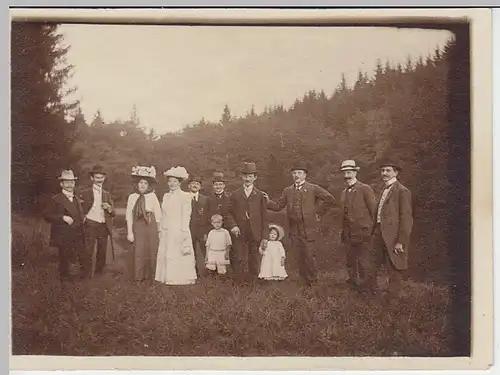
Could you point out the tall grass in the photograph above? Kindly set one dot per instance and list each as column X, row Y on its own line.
column 111, row 315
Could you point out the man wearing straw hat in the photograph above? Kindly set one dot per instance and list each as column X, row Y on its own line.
column 99, row 212
column 358, row 206
column 300, row 200
column 66, row 217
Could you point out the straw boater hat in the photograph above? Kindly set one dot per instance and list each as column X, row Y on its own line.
column 141, row 172
column 249, row 168
column 177, row 172
column 218, row 177
column 300, row 166
column 98, row 169
column 279, row 228
column 67, row 175
column 391, row 163
column 349, row 165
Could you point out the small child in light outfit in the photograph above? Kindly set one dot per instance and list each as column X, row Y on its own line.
column 218, row 246
column 272, row 266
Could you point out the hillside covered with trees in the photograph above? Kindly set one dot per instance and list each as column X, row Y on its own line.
column 400, row 111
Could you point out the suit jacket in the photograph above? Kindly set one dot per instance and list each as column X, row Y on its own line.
column 199, row 217
column 396, row 222
column 219, row 206
column 316, row 201
column 87, row 199
column 62, row 234
column 361, row 210
column 255, row 207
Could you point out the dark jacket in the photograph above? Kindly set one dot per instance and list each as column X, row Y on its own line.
column 87, row 199
column 253, row 208
column 316, row 202
column 396, row 222
column 62, row 234
column 199, row 224
column 361, row 210
column 219, row 205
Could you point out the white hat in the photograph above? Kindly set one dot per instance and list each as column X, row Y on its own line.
column 67, row 175
column 146, row 172
column 178, row 172
column 279, row 228
column 349, row 165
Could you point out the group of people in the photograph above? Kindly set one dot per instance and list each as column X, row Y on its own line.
column 231, row 230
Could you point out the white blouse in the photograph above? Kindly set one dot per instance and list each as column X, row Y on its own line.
column 151, row 202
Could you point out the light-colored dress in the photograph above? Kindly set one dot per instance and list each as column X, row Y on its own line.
column 175, row 263
column 145, row 230
column 271, row 267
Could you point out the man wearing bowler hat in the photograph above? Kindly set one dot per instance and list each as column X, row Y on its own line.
column 65, row 215
column 300, row 200
column 199, row 221
column 358, row 207
column 99, row 212
column 393, row 225
column 248, row 223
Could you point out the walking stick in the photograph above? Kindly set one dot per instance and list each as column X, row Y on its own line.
column 112, row 245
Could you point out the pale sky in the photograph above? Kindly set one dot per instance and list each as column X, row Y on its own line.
column 175, row 75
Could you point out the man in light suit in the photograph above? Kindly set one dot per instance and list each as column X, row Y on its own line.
column 358, row 206
column 300, row 200
column 99, row 212
column 393, row 225
column 247, row 218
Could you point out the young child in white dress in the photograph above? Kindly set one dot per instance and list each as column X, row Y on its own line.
column 218, row 246
column 272, row 266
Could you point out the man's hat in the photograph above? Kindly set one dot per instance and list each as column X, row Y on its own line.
column 218, row 177
column 67, row 175
column 249, row 168
column 196, row 178
column 300, row 165
column 98, row 169
column 349, row 165
column 391, row 163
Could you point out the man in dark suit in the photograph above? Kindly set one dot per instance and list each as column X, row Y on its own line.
column 99, row 212
column 199, row 220
column 358, row 206
column 65, row 215
column 218, row 201
column 248, row 223
column 393, row 225
column 300, row 200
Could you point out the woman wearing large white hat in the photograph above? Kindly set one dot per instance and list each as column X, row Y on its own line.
column 175, row 261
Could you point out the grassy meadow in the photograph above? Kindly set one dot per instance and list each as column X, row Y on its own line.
column 113, row 316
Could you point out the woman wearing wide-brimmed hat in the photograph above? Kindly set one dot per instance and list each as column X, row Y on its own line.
column 176, row 262
column 143, row 215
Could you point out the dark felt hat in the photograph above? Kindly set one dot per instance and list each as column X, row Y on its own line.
column 249, row 168
column 391, row 162
column 97, row 169
column 300, row 165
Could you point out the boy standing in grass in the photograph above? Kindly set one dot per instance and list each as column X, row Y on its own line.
column 218, row 246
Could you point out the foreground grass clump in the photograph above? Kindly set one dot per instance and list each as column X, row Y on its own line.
column 111, row 315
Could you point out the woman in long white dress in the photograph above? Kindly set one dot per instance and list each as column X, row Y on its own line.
column 175, row 261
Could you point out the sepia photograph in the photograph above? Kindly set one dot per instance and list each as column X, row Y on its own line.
column 187, row 188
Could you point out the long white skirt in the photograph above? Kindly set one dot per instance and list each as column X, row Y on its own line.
column 172, row 266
